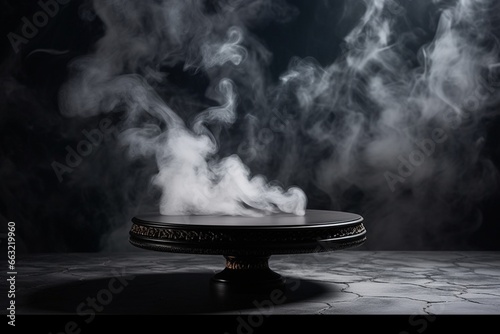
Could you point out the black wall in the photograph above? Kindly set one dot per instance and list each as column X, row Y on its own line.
column 94, row 201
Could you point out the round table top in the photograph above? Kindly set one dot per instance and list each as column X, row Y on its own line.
column 312, row 218
column 279, row 233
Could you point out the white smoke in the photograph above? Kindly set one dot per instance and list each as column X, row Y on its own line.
column 402, row 126
column 141, row 37
column 393, row 128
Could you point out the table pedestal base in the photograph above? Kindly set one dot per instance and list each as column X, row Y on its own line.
column 247, row 274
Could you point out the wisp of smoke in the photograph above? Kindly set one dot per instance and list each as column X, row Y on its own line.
column 399, row 118
column 146, row 35
column 394, row 127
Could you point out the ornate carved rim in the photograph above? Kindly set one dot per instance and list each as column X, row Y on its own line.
column 319, row 247
column 241, row 241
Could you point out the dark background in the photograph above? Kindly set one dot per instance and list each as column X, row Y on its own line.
column 75, row 215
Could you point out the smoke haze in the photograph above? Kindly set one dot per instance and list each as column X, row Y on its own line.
column 383, row 108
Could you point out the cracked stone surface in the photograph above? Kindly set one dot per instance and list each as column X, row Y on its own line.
column 342, row 282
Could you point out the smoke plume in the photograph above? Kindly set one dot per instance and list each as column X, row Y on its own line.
column 139, row 38
column 399, row 118
column 248, row 107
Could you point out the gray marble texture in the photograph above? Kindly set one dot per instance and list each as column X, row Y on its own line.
column 342, row 282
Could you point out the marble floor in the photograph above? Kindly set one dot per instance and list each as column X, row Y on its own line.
column 345, row 282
